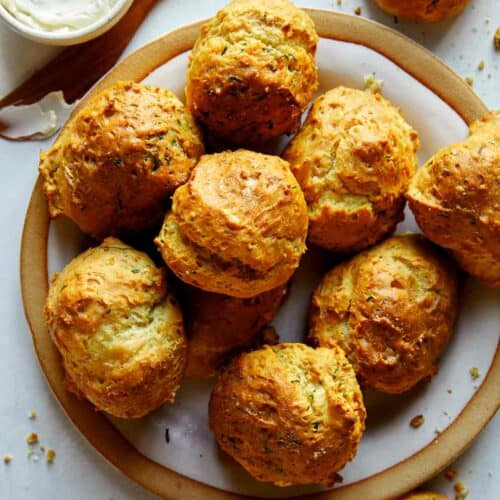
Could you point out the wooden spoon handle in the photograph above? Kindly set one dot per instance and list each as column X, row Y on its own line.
column 78, row 67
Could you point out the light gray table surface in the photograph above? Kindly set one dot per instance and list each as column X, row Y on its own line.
column 79, row 472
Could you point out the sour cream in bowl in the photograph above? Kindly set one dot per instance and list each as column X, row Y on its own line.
column 62, row 22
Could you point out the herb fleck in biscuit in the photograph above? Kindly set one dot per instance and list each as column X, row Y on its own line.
column 354, row 158
column 118, row 329
column 392, row 309
column 252, row 70
column 289, row 414
column 238, row 226
column 117, row 161
column 455, row 198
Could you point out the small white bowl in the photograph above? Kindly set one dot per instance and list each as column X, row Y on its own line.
column 89, row 32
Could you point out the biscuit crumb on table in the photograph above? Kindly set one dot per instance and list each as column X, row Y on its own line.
column 357, row 11
column 32, row 438
column 7, row 458
column 50, row 455
column 461, row 490
column 474, row 373
column 450, row 474
column 417, row 421
column 32, row 415
column 496, row 39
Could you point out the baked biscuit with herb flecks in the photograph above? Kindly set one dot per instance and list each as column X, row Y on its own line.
column 392, row 308
column 238, row 226
column 289, row 414
column 354, row 158
column 455, row 198
column 114, row 165
column 252, row 71
column 118, row 329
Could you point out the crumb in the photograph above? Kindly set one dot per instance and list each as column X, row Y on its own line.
column 450, row 474
column 481, row 65
column 32, row 415
column 474, row 373
column 42, row 447
column 469, row 80
column 357, row 11
column 32, row 438
column 339, row 2
column 460, row 490
column 417, row 421
column 496, row 39
column 437, row 430
column 50, row 456
column 373, row 84
column 450, row 391
column 7, row 458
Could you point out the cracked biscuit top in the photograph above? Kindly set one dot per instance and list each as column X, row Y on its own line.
column 353, row 158
column 252, row 71
column 392, row 309
column 455, row 197
column 115, row 163
column 238, row 226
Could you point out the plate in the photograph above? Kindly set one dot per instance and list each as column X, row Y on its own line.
column 437, row 103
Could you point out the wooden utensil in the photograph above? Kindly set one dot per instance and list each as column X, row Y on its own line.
column 78, row 67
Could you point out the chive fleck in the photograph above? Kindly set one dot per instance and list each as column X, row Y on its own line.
column 135, row 270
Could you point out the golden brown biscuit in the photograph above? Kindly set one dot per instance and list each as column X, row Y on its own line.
column 353, row 158
column 252, row 70
column 238, row 226
column 426, row 11
column 118, row 329
column 114, row 165
column 289, row 414
column 455, row 198
column 392, row 309
column 423, row 495
column 218, row 325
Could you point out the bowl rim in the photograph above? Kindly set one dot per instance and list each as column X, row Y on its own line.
column 98, row 430
column 81, row 35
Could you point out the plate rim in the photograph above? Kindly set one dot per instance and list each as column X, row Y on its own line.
column 98, row 430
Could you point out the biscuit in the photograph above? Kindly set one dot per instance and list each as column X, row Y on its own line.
column 113, row 167
column 217, row 326
column 353, row 158
column 455, row 198
column 118, row 329
column 238, row 226
column 289, row 414
column 426, row 11
column 252, row 71
column 392, row 309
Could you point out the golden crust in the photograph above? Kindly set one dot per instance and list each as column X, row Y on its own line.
column 392, row 308
column 238, row 226
column 424, row 495
column 252, row 70
column 118, row 329
column 217, row 326
column 426, row 11
column 353, row 158
column 455, row 198
column 289, row 414
column 113, row 167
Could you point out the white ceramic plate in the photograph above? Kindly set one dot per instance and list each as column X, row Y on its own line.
column 389, row 444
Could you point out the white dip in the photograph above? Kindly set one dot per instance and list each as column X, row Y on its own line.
column 58, row 16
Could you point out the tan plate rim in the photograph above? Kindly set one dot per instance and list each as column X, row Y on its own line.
column 103, row 436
